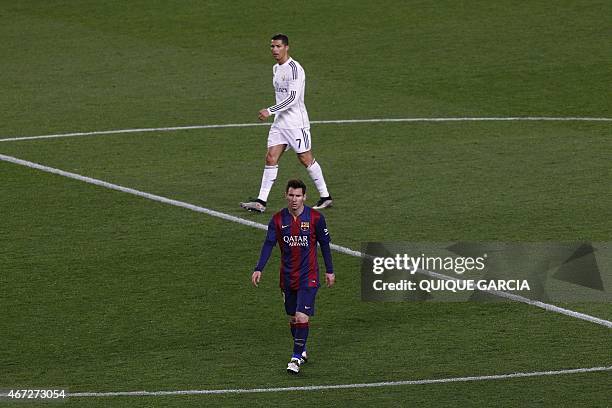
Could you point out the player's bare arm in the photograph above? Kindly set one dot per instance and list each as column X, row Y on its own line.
column 330, row 279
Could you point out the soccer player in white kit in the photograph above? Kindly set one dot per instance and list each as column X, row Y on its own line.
column 291, row 127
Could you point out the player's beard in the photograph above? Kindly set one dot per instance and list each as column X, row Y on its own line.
column 295, row 206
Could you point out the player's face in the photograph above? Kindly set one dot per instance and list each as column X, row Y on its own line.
column 295, row 199
column 280, row 51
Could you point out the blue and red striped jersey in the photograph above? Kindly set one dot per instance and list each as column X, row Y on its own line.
column 297, row 239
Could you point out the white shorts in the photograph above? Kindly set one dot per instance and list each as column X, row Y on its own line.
column 296, row 139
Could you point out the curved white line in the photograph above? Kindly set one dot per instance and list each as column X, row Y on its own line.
column 342, row 386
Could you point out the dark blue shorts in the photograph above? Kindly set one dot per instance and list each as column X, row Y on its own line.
column 302, row 300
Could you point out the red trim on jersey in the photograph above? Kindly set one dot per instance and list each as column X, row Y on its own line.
column 296, row 255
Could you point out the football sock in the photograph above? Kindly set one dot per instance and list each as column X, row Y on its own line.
column 267, row 180
column 299, row 341
column 316, row 174
column 293, row 333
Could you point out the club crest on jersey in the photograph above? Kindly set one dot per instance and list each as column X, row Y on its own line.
column 305, row 226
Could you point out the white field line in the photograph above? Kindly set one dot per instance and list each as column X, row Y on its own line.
column 342, row 386
column 227, row 217
column 316, row 122
column 522, row 299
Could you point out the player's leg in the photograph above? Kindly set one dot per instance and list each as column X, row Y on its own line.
column 304, row 309
column 314, row 169
column 300, row 330
column 290, row 301
column 270, row 172
column 293, row 326
column 316, row 174
column 301, row 334
column 276, row 147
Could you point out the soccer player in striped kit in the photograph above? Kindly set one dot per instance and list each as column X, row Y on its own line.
column 297, row 229
column 291, row 127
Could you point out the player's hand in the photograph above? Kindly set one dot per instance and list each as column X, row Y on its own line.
column 330, row 279
column 263, row 114
column 255, row 278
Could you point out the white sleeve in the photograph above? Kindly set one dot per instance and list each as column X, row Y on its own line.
column 285, row 104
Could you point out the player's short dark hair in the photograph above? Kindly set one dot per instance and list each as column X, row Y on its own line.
column 295, row 183
column 281, row 37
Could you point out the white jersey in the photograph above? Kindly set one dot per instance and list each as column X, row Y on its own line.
column 289, row 82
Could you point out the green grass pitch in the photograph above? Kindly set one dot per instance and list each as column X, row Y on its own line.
column 105, row 291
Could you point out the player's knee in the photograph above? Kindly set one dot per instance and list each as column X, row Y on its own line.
column 301, row 318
